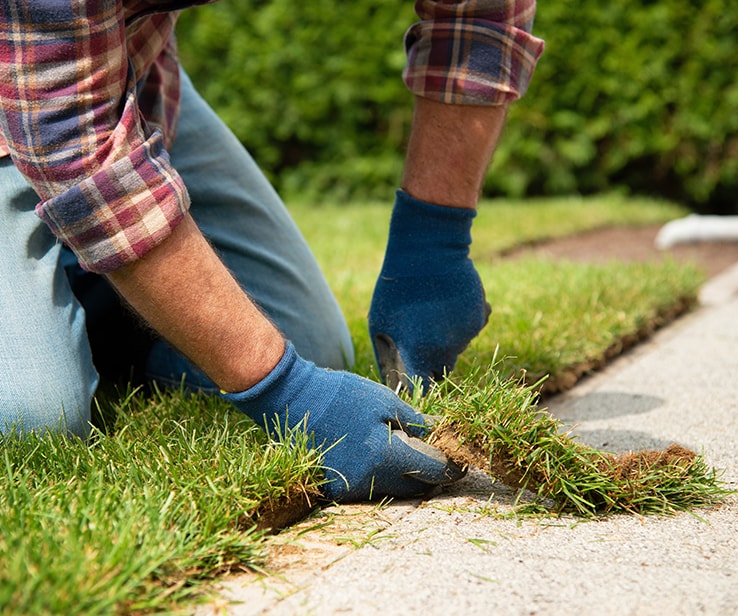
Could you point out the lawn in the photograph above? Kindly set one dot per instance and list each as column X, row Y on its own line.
column 178, row 489
column 546, row 316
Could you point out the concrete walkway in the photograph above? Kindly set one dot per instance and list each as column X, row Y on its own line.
column 455, row 553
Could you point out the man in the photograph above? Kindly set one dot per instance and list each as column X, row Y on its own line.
column 118, row 181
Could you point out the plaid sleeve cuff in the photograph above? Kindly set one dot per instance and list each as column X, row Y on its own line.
column 470, row 60
column 117, row 215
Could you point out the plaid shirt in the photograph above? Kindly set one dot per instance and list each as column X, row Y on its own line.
column 89, row 98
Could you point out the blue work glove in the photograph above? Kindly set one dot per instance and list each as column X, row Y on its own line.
column 370, row 438
column 429, row 302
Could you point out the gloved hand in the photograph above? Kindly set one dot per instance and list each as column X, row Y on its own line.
column 370, row 438
column 428, row 302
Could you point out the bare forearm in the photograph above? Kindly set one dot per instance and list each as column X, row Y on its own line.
column 449, row 151
column 182, row 289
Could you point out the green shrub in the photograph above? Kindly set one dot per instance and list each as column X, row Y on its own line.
column 641, row 95
column 313, row 89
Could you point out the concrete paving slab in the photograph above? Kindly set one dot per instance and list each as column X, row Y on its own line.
column 457, row 553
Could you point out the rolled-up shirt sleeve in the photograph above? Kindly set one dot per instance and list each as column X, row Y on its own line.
column 71, row 121
column 472, row 52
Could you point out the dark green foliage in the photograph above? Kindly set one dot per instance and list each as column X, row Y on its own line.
column 641, row 95
column 313, row 93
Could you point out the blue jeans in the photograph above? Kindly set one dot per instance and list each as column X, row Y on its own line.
column 61, row 326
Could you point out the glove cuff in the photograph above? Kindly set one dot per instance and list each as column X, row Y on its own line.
column 289, row 392
column 424, row 235
column 268, row 383
column 415, row 217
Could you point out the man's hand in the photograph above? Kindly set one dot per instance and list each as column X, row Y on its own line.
column 429, row 302
column 370, row 438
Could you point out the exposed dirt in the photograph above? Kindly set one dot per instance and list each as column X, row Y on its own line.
column 631, row 244
column 632, row 464
column 275, row 516
column 467, row 454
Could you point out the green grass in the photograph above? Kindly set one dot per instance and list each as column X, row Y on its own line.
column 349, row 239
column 140, row 518
column 545, row 315
column 549, row 317
column 495, row 422
column 169, row 496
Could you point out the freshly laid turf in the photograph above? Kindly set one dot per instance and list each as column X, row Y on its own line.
column 138, row 519
column 181, row 488
column 538, row 307
column 561, row 320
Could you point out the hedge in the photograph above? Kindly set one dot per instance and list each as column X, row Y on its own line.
column 639, row 95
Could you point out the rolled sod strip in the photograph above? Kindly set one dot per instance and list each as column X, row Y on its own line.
column 499, row 428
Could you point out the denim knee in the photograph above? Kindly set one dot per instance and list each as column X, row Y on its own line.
column 55, row 404
column 47, row 379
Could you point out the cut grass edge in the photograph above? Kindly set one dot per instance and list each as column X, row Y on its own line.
column 566, row 378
